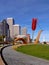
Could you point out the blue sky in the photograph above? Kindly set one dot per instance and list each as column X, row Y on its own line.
column 24, row 10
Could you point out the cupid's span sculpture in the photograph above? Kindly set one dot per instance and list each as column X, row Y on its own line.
column 38, row 36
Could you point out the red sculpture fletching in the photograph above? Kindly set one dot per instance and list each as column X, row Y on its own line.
column 34, row 23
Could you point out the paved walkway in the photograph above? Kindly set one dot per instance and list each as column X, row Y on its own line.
column 13, row 57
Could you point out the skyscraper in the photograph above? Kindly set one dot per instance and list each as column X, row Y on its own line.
column 5, row 27
column 1, row 28
column 17, row 29
column 24, row 31
column 10, row 22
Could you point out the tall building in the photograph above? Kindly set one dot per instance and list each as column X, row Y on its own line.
column 5, row 27
column 24, row 31
column 1, row 29
column 17, row 29
column 10, row 22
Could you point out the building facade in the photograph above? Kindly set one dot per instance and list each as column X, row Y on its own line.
column 1, row 29
column 17, row 29
column 24, row 31
column 5, row 27
column 10, row 22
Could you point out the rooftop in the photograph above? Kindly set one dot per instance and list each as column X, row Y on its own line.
column 16, row 25
column 10, row 18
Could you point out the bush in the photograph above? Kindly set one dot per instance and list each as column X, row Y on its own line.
column 44, row 42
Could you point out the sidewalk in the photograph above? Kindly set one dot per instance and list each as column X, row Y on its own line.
column 1, row 62
column 13, row 57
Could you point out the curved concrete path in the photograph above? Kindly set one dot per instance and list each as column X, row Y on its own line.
column 13, row 57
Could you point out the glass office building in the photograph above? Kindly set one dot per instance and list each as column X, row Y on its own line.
column 1, row 29
column 5, row 27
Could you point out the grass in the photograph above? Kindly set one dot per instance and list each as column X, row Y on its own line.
column 41, row 51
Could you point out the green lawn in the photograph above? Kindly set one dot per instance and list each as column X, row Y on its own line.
column 41, row 51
